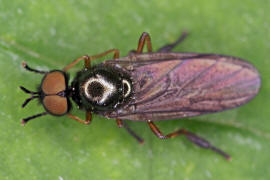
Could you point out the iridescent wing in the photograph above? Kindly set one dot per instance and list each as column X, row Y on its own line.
column 177, row 85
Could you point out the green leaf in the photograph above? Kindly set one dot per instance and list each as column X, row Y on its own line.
column 50, row 34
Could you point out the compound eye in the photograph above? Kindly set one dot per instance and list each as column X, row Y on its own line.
column 53, row 82
column 55, row 104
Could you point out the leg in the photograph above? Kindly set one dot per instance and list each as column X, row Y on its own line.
column 24, row 65
column 87, row 120
column 169, row 47
column 121, row 124
column 144, row 37
column 86, row 63
column 87, row 59
column 190, row 136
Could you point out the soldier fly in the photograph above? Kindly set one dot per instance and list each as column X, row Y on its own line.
column 149, row 87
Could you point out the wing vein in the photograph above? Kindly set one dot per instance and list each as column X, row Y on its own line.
column 200, row 74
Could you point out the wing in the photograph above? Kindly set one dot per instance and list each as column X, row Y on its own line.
column 176, row 85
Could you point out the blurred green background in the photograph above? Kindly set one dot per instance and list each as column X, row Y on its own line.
column 50, row 34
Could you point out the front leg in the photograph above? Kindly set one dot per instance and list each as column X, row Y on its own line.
column 88, row 59
column 88, row 118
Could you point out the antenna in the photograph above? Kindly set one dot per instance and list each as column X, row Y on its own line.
column 25, row 120
column 33, row 96
column 24, row 65
column 32, row 93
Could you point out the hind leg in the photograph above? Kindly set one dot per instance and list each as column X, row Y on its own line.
column 195, row 139
column 169, row 47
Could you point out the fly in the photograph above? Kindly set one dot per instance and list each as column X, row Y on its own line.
column 149, row 87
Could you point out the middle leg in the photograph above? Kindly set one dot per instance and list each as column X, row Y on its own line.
column 120, row 123
column 145, row 37
column 169, row 47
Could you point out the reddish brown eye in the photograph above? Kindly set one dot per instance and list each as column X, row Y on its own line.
column 55, row 105
column 53, row 83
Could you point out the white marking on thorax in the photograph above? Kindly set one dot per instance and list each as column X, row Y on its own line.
column 109, row 88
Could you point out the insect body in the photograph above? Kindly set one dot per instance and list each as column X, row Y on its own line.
column 150, row 87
